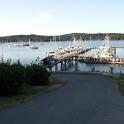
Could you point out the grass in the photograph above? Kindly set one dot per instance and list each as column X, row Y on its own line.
column 29, row 93
column 121, row 84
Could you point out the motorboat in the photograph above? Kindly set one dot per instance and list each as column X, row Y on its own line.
column 33, row 47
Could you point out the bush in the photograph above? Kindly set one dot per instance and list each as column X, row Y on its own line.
column 18, row 76
column 37, row 75
column 14, row 76
column 11, row 78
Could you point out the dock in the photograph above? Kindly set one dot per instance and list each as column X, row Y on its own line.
column 67, row 59
column 64, row 60
column 105, row 54
column 93, row 60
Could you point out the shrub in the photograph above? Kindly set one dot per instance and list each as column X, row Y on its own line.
column 18, row 76
column 37, row 75
column 11, row 78
column 14, row 76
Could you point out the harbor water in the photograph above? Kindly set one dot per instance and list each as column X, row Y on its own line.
column 26, row 55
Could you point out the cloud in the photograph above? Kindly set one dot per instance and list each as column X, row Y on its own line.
column 42, row 17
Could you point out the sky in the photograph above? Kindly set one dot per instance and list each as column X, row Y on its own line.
column 56, row 17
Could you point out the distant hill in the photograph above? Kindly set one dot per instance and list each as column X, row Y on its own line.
column 65, row 37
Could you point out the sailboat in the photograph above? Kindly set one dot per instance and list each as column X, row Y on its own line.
column 25, row 43
column 60, row 53
column 105, row 51
column 57, row 51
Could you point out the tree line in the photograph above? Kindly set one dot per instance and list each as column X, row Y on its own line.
column 65, row 37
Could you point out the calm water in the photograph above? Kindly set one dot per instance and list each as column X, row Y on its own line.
column 27, row 55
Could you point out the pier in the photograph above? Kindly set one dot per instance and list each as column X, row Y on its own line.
column 94, row 60
column 119, row 47
column 105, row 54
column 64, row 60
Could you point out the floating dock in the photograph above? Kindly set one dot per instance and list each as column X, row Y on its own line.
column 94, row 60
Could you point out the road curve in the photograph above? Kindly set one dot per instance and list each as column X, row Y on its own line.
column 85, row 99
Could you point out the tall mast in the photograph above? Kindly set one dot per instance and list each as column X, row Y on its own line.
column 106, row 41
column 74, row 41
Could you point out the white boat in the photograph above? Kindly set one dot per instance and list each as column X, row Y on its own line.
column 106, row 51
column 33, row 47
column 24, row 43
column 65, row 52
column 55, row 53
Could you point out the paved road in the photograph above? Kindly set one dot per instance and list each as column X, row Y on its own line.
column 85, row 99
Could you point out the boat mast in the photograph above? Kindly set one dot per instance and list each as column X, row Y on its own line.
column 106, row 41
column 74, row 41
column 84, row 44
column 59, row 38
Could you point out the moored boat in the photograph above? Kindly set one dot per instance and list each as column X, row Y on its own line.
column 66, row 52
column 33, row 47
column 106, row 51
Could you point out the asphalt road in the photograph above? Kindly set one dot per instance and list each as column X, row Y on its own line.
column 85, row 99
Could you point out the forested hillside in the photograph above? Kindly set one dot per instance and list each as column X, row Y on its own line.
column 65, row 37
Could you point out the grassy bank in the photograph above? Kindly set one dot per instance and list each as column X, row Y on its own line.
column 121, row 84
column 29, row 92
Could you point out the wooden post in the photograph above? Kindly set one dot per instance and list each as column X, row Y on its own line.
column 65, row 64
column 50, row 69
column 56, row 67
column 61, row 66
column 76, row 64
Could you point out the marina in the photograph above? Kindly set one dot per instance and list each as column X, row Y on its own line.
column 85, row 60
column 104, row 54
column 62, row 62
